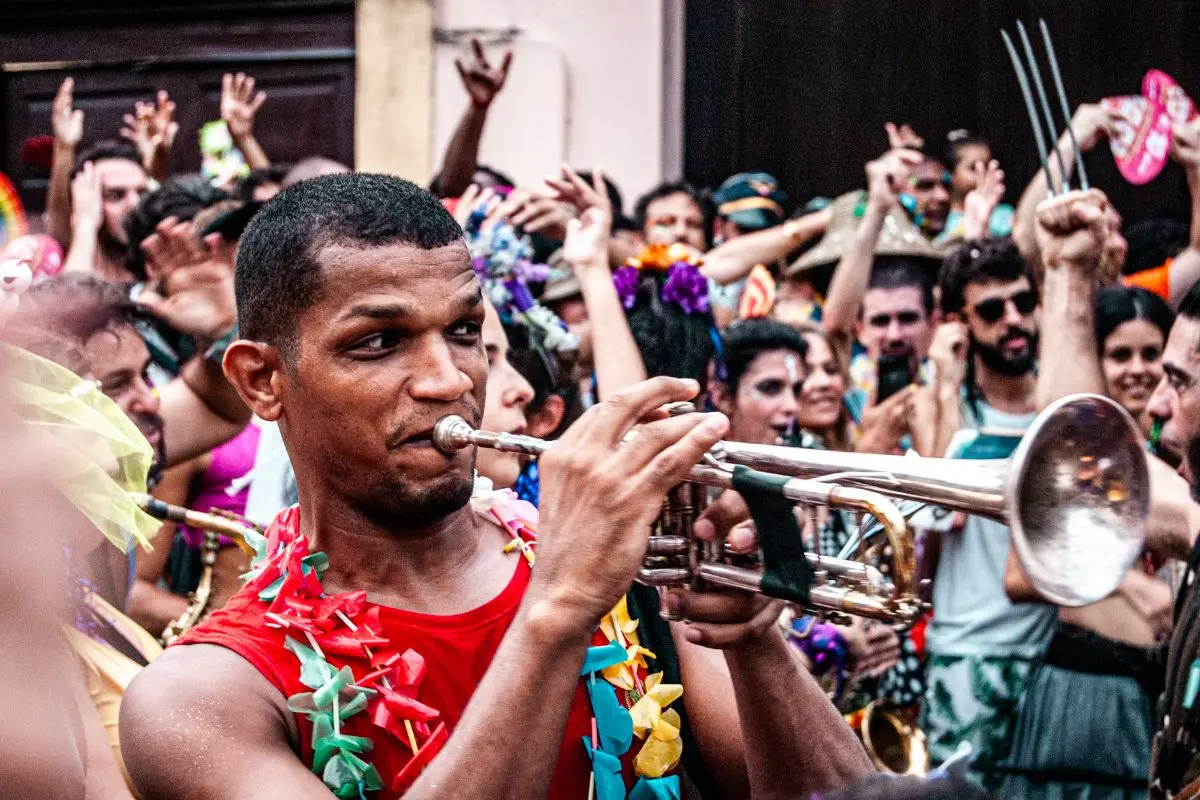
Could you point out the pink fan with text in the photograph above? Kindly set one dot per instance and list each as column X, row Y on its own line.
column 1143, row 139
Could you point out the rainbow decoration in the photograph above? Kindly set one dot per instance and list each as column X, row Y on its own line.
column 13, row 222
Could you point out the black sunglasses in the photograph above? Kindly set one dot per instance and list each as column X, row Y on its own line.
column 992, row 309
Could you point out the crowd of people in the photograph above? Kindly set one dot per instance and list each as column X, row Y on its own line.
column 401, row 621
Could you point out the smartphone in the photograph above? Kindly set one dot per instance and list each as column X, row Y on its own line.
column 895, row 373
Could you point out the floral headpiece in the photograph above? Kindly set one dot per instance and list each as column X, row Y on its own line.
column 503, row 260
column 684, row 286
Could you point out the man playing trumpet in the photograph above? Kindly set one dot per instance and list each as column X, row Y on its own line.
column 392, row 632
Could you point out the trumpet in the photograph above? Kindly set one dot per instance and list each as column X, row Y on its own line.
column 1075, row 494
column 675, row 558
column 214, row 527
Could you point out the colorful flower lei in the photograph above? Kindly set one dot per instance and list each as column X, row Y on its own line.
column 503, row 261
column 685, row 286
column 288, row 577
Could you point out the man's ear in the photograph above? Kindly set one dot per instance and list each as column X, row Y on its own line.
column 256, row 371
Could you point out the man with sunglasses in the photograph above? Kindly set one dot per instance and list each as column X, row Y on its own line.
column 981, row 647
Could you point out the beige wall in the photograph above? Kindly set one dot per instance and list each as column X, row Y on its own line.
column 587, row 86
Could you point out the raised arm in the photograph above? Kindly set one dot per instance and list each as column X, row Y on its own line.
column 732, row 260
column 885, row 182
column 1071, row 232
column 239, row 107
column 67, row 124
column 482, row 82
column 86, row 217
column 1185, row 268
column 615, row 354
column 152, row 129
column 200, row 409
column 1091, row 124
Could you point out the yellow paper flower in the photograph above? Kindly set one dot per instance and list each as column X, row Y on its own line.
column 647, row 712
column 618, row 626
column 662, row 751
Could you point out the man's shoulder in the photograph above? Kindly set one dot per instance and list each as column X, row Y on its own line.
column 191, row 710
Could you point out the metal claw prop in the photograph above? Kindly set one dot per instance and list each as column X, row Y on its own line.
column 1046, row 117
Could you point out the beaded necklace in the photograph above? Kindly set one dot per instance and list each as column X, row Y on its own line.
column 288, row 577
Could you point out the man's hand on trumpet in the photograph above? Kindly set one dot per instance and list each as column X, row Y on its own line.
column 725, row 619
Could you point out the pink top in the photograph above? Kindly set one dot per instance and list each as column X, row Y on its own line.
column 230, row 461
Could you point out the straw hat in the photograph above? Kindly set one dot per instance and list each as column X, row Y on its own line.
column 899, row 236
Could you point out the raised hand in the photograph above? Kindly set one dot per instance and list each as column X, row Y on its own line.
column 481, row 80
column 192, row 281
column 948, row 352
column 887, row 176
column 1093, row 123
column 240, row 103
column 1072, row 229
column 541, row 214
column 152, row 127
column 588, row 236
column 600, row 496
column 903, row 137
column 87, row 205
column 575, row 191
column 981, row 201
column 65, row 120
column 884, row 425
column 1185, row 144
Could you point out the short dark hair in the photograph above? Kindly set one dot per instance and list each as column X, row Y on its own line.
column 698, row 197
column 901, row 272
column 278, row 272
column 78, row 306
column 181, row 197
column 548, row 373
column 1116, row 305
column 746, row 339
column 106, row 149
column 979, row 261
column 1152, row 241
column 959, row 140
column 671, row 341
column 260, row 177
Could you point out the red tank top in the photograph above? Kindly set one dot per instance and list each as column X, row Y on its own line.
column 457, row 651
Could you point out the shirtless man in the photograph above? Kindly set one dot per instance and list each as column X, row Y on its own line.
column 363, row 323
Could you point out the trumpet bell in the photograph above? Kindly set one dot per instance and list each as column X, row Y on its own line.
column 1079, row 498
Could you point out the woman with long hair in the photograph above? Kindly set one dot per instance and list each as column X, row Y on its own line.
column 1086, row 718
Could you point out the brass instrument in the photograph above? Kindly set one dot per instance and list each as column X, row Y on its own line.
column 1075, row 494
column 892, row 741
column 214, row 527
column 675, row 558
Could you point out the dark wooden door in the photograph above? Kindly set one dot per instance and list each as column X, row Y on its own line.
column 301, row 53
